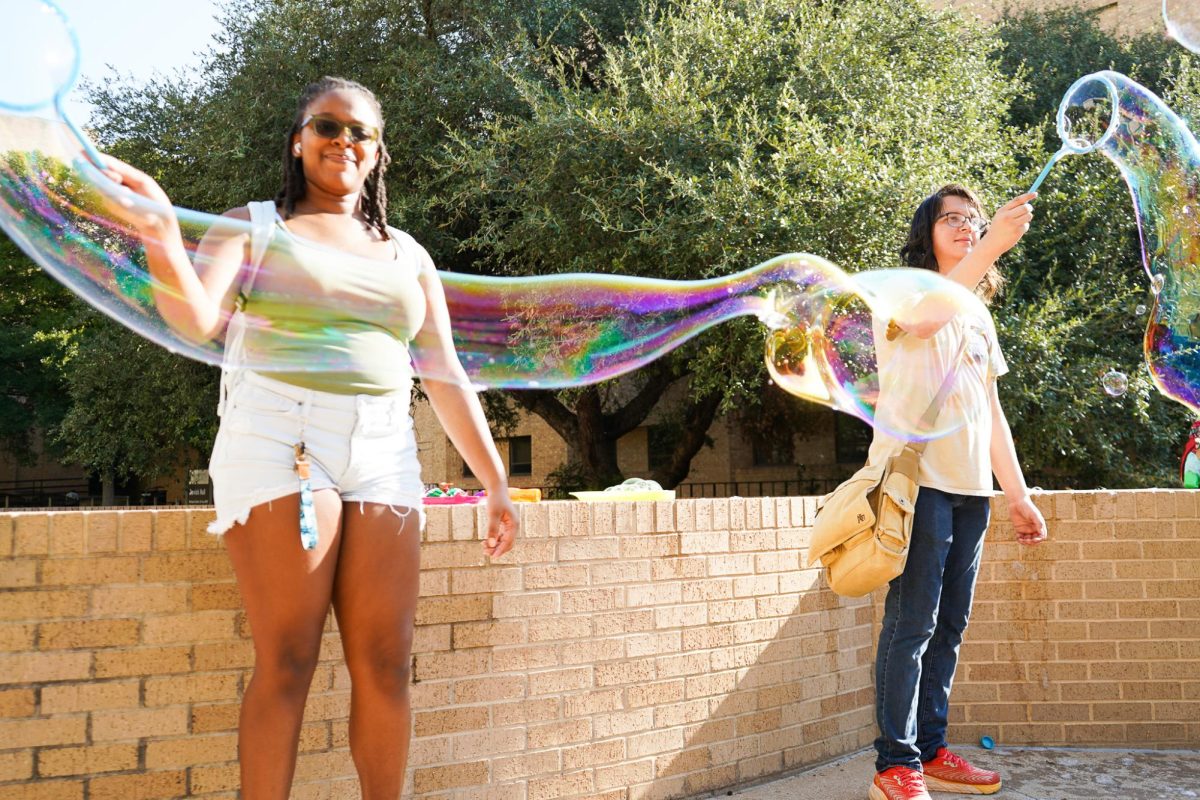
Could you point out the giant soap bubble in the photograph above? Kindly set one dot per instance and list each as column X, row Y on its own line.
column 1183, row 22
column 1159, row 159
column 824, row 326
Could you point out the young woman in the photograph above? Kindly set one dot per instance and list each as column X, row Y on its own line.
column 325, row 456
column 927, row 607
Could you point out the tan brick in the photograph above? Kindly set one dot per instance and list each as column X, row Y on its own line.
column 215, row 596
column 45, row 667
column 565, row 785
column 6, row 535
column 487, row 634
column 205, row 779
column 191, row 688
column 110, row 726
column 18, row 573
column 91, row 696
column 436, row 723
column 434, row 778
column 66, row 534
column 43, row 790
column 170, row 530
column 63, row 761
column 145, row 786
column 190, row 751
column 88, row 633
column 434, row 610
column 16, row 765
column 21, row 733
column 217, row 717
column 489, row 689
column 17, row 703
column 590, row 755
column 26, row 604
column 143, row 661
column 31, row 535
column 139, row 600
column 199, row 626
column 224, row 655
column 16, row 636
column 489, row 579
column 187, row 568
column 135, row 532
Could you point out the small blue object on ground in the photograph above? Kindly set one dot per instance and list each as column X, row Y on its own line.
column 986, row 742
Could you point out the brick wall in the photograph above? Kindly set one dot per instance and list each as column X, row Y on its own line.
column 623, row 650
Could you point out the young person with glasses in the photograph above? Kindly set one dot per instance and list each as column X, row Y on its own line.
column 927, row 607
column 328, row 456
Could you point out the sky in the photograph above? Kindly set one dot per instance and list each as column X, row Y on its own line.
column 136, row 37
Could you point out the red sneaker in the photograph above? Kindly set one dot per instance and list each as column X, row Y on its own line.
column 947, row 772
column 899, row 783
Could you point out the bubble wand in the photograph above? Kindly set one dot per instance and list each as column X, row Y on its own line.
column 61, row 57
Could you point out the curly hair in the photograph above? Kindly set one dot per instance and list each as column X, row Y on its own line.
column 373, row 201
column 917, row 252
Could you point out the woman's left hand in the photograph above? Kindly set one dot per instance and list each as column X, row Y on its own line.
column 503, row 524
column 1027, row 521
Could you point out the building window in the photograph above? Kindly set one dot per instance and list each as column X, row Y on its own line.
column 852, row 438
column 772, row 449
column 660, row 443
column 520, row 455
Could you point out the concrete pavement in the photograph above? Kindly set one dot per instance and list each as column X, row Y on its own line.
column 1029, row 773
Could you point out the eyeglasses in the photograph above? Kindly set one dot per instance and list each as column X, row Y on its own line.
column 330, row 128
column 959, row 221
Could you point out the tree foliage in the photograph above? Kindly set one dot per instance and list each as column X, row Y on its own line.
column 721, row 134
column 1071, row 312
column 679, row 139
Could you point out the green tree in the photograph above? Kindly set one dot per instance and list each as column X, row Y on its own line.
column 135, row 409
column 32, row 306
column 721, row 134
column 1070, row 314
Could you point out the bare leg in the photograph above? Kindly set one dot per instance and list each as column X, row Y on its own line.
column 375, row 599
column 286, row 592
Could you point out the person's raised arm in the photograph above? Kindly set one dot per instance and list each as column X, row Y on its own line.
column 1009, row 224
column 447, row 386
column 194, row 299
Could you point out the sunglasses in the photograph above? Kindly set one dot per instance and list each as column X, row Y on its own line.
column 330, row 128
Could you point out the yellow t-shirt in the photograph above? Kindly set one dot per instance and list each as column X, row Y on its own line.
column 911, row 371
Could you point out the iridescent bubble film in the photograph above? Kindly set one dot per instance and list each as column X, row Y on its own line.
column 1159, row 158
column 1115, row 383
column 539, row 332
column 1183, row 22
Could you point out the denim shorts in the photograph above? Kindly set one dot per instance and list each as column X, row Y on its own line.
column 361, row 445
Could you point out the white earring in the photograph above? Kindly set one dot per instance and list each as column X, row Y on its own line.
column 296, row 150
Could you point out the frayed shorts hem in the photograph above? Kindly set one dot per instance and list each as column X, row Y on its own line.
column 226, row 520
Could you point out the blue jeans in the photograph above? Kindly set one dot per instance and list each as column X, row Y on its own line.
column 924, row 618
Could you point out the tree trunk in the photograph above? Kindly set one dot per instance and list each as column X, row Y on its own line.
column 697, row 420
column 108, row 489
column 597, row 445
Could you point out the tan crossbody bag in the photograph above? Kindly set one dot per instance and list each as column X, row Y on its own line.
column 864, row 526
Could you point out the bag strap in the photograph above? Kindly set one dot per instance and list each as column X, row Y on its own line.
column 262, row 229
column 935, row 405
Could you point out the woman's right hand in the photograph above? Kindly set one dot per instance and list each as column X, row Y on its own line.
column 1009, row 224
column 150, row 221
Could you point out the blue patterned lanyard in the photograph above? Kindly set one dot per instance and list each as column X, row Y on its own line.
column 308, row 514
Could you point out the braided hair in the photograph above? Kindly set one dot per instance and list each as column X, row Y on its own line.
column 917, row 252
column 373, row 200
